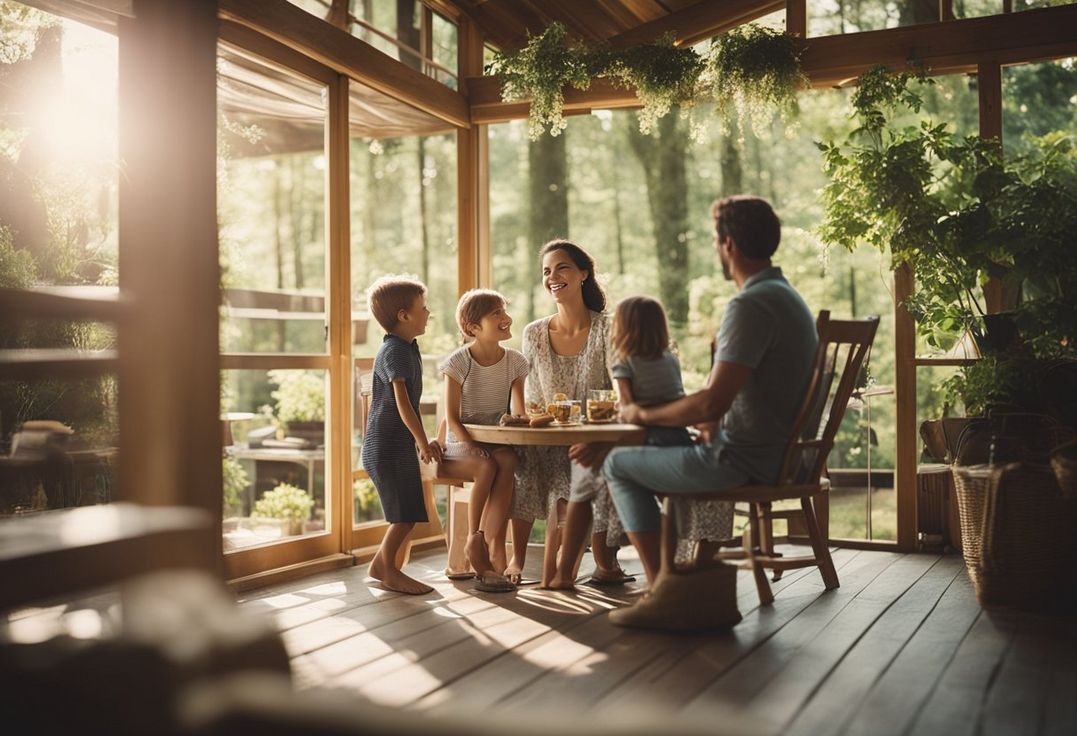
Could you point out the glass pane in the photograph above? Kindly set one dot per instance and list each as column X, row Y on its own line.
column 443, row 36
column 832, row 17
column 271, row 207
column 274, row 425
column 1038, row 99
column 58, row 227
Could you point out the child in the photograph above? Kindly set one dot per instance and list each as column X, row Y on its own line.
column 645, row 370
column 480, row 380
column 393, row 429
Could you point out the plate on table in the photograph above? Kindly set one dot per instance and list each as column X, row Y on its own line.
column 601, row 421
column 570, row 423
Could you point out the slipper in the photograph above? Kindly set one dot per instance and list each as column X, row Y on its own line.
column 491, row 582
column 620, row 579
column 458, row 575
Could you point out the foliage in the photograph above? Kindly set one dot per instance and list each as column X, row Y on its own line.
column 367, row 502
column 300, row 395
column 17, row 269
column 540, row 71
column 753, row 68
column 959, row 214
column 19, row 30
column 235, row 483
column 757, row 70
column 285, row 502
column 663, row 75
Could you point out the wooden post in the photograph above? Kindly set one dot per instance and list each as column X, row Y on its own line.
column 796, row 17
column 989, row 87
column 473, row 226
column 338, row 277
column 169, row 375
column 905, row 388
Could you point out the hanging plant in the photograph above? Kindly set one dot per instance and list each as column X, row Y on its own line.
column 662, row 74
column 756, row 69
column 540, row 71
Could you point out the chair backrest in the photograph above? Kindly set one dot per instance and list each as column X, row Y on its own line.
column 843, row 348
column 364, row 383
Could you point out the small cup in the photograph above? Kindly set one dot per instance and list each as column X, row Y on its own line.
column 601, row 405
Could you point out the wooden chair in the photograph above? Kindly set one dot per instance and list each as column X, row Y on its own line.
column 843, row 348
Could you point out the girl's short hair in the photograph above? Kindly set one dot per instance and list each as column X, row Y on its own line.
column 594, row 298
column 639, row 329
column 389, row 294
column 474, row 305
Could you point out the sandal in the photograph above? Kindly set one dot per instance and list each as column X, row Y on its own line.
column 491, row 582
column 459, row 574
column 617, row 576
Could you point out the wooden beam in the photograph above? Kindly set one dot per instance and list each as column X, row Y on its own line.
column 945, row 47
column 697, row 22
column 487, row 107
column 169, row 394
column 956, row 46
column 796, row 17
column 297, row 29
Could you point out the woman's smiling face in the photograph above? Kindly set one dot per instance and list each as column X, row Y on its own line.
column 561, row 277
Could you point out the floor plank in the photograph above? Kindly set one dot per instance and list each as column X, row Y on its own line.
column 901, row 647
column 836, row 698
column 915, row 671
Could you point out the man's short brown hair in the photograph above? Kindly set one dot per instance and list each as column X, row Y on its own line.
column 474, row 305
column 751, row 222
column 389, row 294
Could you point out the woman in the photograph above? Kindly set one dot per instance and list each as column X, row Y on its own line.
column 568, row 354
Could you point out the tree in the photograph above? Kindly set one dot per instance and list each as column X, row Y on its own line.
column 663, row 159
column 548, row 213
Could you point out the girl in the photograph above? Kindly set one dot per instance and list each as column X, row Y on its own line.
column 480, row 380
column 645, row 370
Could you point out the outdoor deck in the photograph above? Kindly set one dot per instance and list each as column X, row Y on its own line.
column 902, row 647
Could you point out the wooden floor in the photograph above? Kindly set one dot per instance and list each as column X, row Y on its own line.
column 902, row 647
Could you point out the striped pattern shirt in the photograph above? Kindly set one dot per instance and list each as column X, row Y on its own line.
column 485, row 390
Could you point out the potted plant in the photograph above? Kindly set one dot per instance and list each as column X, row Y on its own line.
column 300, row 403
column 367, row 502
column 287, row 503
column 959, row 214
column 235, row 484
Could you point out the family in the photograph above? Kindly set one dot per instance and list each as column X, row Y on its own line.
column 741, row 420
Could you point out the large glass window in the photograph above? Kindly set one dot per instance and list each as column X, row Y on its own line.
column 272, row 195
column 415, row 236
column 58, row 228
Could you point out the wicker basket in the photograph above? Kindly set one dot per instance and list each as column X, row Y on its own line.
column 1018, row 534
column 1064, row 462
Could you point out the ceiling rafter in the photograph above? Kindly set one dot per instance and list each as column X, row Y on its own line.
column 698, row 22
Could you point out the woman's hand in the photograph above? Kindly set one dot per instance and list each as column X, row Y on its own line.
column 631, row 414
column 590, row 455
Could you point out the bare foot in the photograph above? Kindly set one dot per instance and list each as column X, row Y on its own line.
column 560, row 583
column 394, row 579
column 514, row 572
column 498, row 559
column 477, row 554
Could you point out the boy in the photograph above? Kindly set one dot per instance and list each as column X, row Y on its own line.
column 393, row 429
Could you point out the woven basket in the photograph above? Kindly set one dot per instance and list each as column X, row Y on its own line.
column 1018, row 533
column 1064, row 462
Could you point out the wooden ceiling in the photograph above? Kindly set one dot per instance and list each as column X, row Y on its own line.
column 506, row 23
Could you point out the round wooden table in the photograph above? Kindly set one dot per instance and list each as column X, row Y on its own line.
column 552, row 435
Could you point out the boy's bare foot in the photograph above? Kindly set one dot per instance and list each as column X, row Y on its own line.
column 393, row 579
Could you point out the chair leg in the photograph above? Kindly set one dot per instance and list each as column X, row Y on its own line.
column 456, row 530
column 766, row 597
column 668, row 539
column 767, row 541
column 819, row 546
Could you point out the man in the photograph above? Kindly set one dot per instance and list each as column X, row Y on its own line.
column 762, row 365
